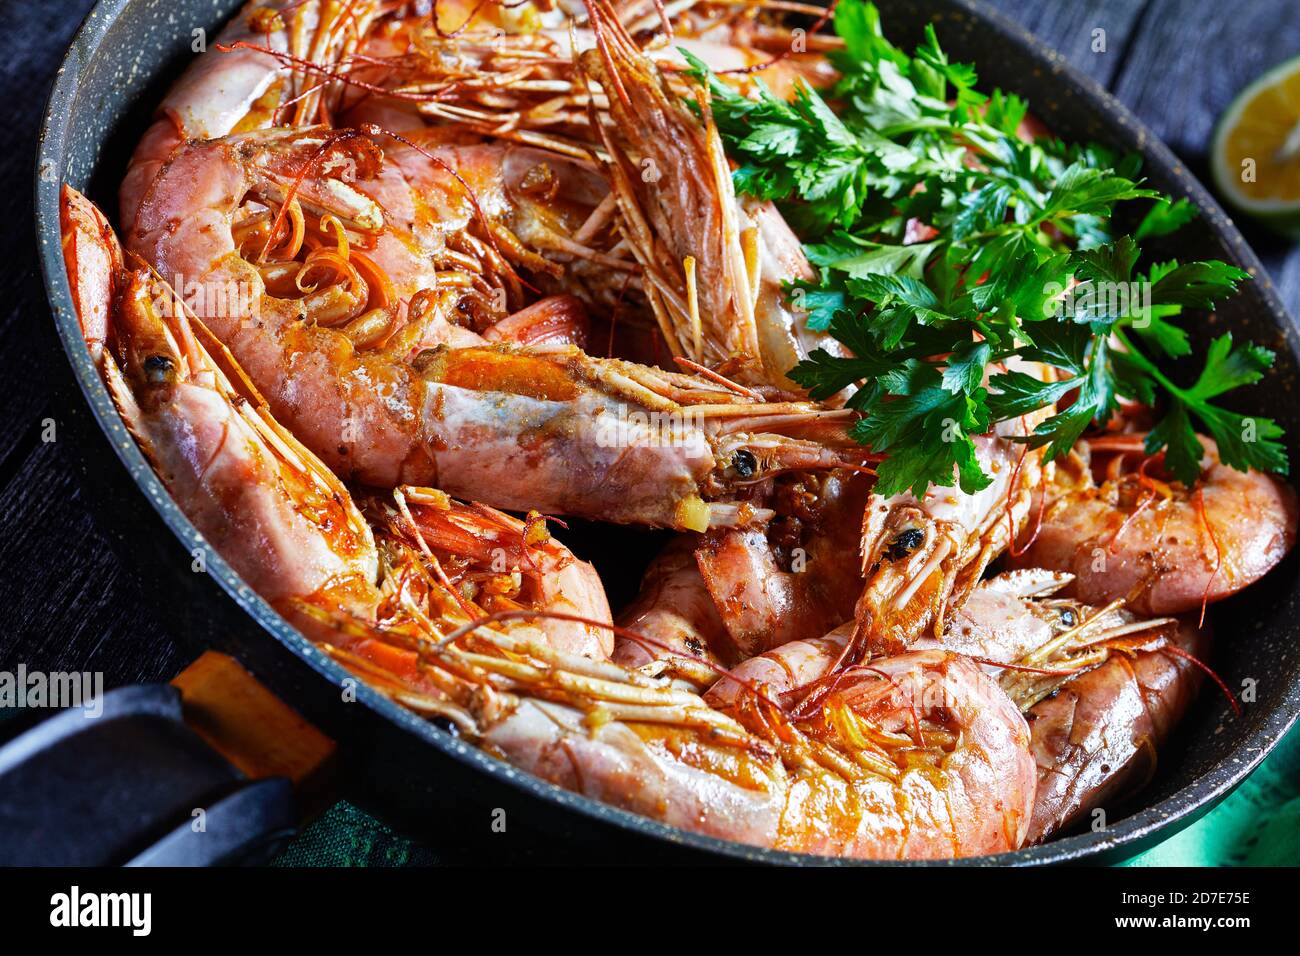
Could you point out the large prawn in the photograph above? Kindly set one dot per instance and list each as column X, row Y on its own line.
column 298, row 63
column 287, row 524
column 1126, row 531
column 939, row 763
column 714, row 265
column 1101, row 687
column 672, row 627
column 921, row 558
column 386, row 404
column 246, row 81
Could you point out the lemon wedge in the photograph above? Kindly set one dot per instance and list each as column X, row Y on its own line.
column 1256, row 153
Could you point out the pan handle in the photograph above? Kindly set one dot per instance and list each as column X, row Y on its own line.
column 212, row 769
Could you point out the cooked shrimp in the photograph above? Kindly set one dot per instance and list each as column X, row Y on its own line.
column 235, row 87
column 793, row 576
column 1034, row 642
column 921, row 558
column 1161, row 546
column 1095, row 741
column 713, row 265
column 1000, row 624
column 94, row 261
column 283, row 520
column 673, row 626
column 939, row 764
column 551, row 430
column 1101, row 687
column 561, row 432
column 921, row 757
column 499, row 563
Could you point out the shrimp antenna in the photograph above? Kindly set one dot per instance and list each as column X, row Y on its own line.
column 520, row 615
column 777, row 58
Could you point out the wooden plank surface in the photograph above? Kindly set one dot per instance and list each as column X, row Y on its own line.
column 1070, row 25
column 1187, row 63
column 67, row 602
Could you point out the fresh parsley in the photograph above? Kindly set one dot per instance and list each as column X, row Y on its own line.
column 947, row 245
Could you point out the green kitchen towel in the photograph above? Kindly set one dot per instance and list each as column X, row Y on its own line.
column 347, row 836
column 1258, row 825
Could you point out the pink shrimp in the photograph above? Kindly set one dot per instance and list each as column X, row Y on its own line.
column 499, row 563
column 1101, row 688
column 232, row 88
column 1163, row 547
column 673, row 626
column 283, row 520
column 941, row 764
column 713, row 264
column 1095, row 741
column 546, row 429
column 922, row 558
column 794, row 576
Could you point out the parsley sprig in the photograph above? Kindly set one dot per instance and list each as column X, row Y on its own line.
column 947, row 247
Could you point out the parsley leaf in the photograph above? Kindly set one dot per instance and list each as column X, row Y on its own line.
column 946, row 246
column 1165, row 216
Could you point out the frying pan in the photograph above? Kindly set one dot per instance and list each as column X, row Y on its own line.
column 422, row 777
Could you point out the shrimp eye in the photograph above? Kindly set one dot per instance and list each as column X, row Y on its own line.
column 905, row 542
column 1068, row 617
column 745, row 463
column 159, row 369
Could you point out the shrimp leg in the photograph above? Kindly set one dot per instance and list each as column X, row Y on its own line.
column 713, row 265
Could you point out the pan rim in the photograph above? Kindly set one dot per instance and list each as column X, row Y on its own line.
column 1163, row 819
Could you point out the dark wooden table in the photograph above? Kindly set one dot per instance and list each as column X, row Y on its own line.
column 68, row 603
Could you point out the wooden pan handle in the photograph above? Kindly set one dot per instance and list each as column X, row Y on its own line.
column 212, row 769
column 241, row 719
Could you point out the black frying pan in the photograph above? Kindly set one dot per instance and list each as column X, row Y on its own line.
column 422, row 777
